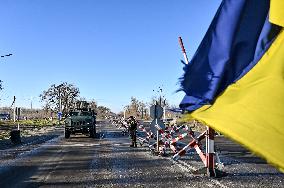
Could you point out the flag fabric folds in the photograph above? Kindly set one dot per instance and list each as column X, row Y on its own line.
column 276, row 15
column 236, row 39
column 249, row 107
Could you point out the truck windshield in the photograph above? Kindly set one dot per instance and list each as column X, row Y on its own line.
column 73, row 113
column 86, row 113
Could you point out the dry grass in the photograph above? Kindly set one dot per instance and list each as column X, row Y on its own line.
column 35, row 122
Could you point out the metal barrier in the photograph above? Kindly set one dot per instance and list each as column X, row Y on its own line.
column 170, row 138
column 168, row 143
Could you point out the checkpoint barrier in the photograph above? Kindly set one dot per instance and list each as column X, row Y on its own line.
column 169, row 142
column 166, row 139
column 121, row 124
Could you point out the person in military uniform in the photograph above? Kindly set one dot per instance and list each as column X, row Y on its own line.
column 132, row 130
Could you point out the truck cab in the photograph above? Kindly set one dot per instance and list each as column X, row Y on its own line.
column 81, row 120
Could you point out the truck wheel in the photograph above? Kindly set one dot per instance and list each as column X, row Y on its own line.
column 67, row 133
column 93, row 132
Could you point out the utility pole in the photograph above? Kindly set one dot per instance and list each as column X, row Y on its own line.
column 60, row 103
column 60, row 106
column 164, row 109
column 32, row 103
column 14, row 108
column 124, row 112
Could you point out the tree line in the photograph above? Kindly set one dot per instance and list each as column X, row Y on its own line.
column 65, row 97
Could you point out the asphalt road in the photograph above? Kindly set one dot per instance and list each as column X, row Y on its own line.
column 108, row 161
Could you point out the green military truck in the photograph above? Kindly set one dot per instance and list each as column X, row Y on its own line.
column 81, row 120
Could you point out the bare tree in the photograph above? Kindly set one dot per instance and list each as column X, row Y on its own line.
column 103, row 112
column 162, row 101
column 93, row 104
column 64, row 94
column 136, row 108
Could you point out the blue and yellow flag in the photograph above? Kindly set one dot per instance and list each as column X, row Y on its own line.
column 235, row 81
column 238, row 36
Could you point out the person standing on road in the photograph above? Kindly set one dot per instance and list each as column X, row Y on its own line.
column 132, row 130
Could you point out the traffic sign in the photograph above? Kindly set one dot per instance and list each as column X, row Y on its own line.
column 156, row 112
column 155, row 122
column 59, row 115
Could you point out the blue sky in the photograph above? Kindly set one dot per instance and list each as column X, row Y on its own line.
column 110, row 49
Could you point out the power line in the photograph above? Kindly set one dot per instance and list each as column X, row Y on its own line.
column 7, row 55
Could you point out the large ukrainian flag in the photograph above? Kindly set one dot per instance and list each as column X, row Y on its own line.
column 248, row 103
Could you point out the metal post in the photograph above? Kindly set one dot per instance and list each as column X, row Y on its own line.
column 164, row 113
column 14, row 114
column 157, row 141
column 14, row 105
column 157, row 130
column 210, row 152
column 18, row 110
column 59, row 100
column 124, row 114
column 31, row 103
column 60, row 106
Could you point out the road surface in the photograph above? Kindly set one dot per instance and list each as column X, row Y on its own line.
column 108, row 161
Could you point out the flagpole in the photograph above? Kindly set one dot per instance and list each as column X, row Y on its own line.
column 183, row 50
column 209, row 134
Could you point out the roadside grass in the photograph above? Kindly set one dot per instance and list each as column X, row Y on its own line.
column 32, row 122
column 27, row 127
column 4, row 135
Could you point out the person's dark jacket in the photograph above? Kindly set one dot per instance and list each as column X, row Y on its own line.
column 133, row 125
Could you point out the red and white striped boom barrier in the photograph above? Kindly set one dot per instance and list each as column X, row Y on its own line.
column 209, row 162
column 167, row 141
column 183, row 50
column 193, row 144
column 180, row 137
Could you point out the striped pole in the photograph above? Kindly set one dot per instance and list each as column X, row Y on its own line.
column 173, row 147
column 181, row 153
column 176, row 129
column 193, row 144
column 163, row 133
column 200, row 153
column 148, row 137
column 183, row 50
column 180, row 137
column 142, row 140
column 163, row 147
column 149, row 133
column 210, row 152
